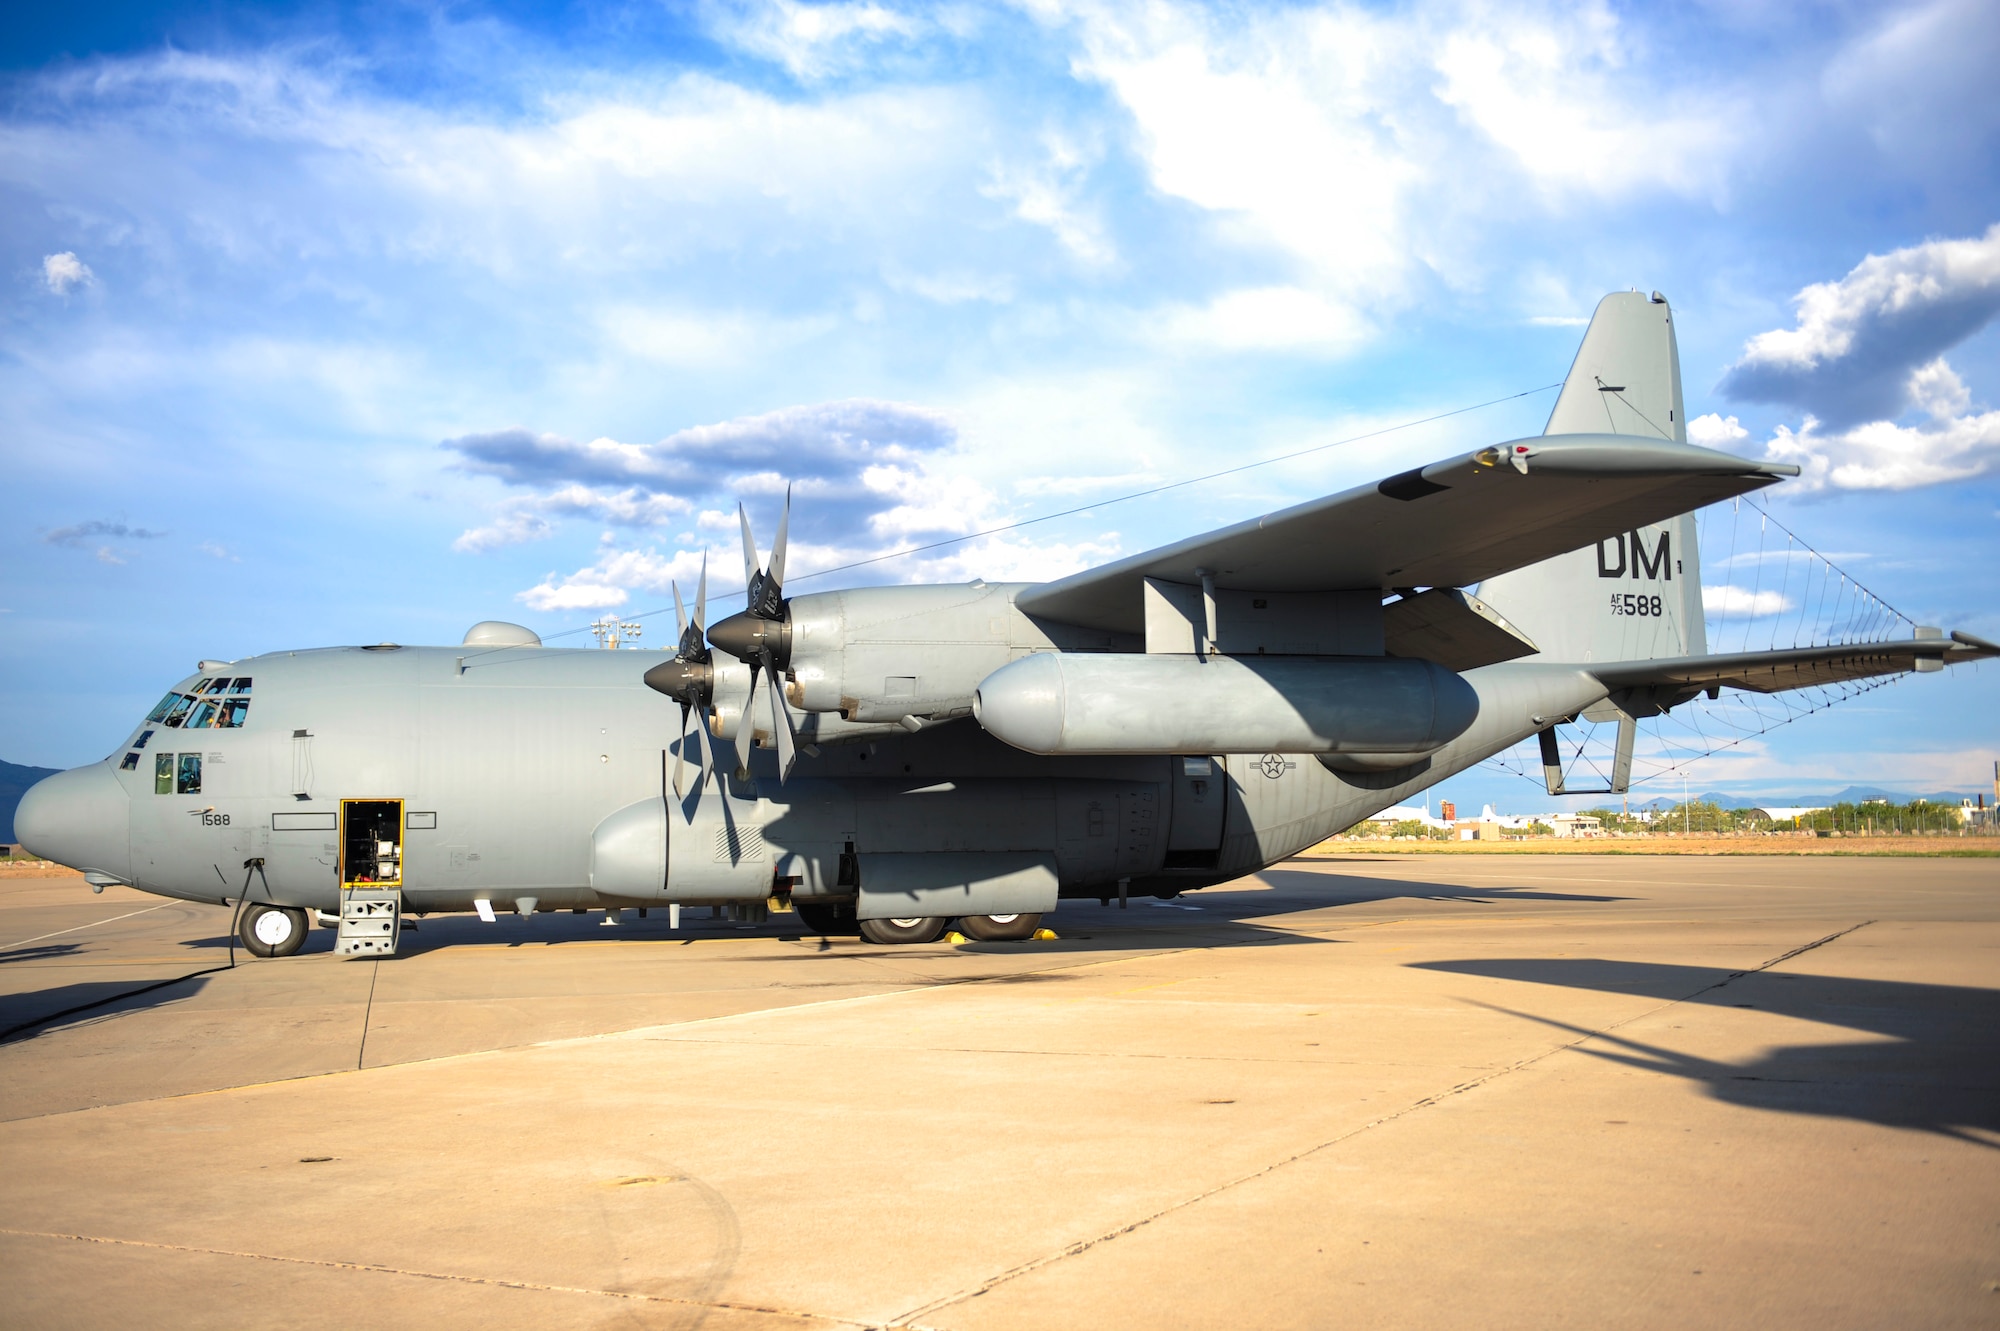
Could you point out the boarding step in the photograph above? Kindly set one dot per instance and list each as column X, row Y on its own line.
column 370, row 918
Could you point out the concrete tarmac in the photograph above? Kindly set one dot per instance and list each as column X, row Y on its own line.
column 1509, row 1092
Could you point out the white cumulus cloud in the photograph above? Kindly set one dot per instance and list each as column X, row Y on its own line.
column 1861, row 343
column 62, row 272
column 1713, row 431
column 1732, row 602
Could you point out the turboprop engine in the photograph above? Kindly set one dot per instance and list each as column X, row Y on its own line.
column 1080, row 703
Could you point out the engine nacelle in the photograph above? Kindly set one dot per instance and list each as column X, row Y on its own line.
column 1078, row 703
column 879, row 654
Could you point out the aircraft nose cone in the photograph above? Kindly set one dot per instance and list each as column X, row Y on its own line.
column 82, row 818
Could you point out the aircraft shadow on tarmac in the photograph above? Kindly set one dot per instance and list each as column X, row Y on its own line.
column 1350, row 890
column 1936, row 1069
column 1215, row 916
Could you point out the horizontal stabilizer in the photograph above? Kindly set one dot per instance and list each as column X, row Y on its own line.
column 1451, row 524
column 1797, row 667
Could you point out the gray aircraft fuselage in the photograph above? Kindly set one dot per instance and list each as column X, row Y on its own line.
column 508, row 762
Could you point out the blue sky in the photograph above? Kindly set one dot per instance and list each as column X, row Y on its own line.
column 351, row 323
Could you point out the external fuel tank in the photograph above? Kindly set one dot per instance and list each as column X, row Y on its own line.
column 1083, row 703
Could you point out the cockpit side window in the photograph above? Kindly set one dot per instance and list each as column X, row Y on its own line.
column 163, row 774
column 130, row 762
column 187, row 777
column 144, row 736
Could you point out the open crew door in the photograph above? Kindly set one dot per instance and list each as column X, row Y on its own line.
column 1201, row 794
column 371, row 877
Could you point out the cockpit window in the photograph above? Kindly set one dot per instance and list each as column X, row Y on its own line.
column 187, row 777
column 179, row 711
column 232, row 713
column 203, row 715
column 219, row 685
column 140, row 742
column 161, row 710
column 163, row 774
column 131, row 761
column 200, row 684
column 242, row 684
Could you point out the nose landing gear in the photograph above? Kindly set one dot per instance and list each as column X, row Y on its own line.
column 272, row 931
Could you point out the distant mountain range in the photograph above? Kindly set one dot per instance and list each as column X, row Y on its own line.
column 1851, row 795
column 14, row 783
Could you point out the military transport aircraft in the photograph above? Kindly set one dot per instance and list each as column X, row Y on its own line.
column 895, row 759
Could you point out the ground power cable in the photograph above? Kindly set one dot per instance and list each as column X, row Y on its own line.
column 1082, row 508
column 236, row 918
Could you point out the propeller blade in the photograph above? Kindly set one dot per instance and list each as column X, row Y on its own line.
column 781, row 721
column 680, row 755
column 746, row 725
column 749, row 548
column 778, row 546
column 680, row 620
column 707, row 748
column 701, row 597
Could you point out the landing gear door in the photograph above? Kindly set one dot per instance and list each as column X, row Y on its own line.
column 1201, row 794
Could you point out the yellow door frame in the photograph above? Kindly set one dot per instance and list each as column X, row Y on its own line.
column 396, row 882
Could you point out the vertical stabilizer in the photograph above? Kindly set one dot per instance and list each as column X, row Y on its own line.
column 1626, row 378
column 1636, row 595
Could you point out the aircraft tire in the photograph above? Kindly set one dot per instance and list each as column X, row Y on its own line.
column 827, row 919
column 917, row 929
column 272, row 931
column 1000, row 928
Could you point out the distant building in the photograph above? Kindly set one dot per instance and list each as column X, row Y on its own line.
column 1789, row 814
column 1575, row 825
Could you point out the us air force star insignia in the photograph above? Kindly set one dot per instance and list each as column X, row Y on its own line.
column 1273, row 766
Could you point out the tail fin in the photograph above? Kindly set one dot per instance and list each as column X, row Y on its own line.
column 1636, row 596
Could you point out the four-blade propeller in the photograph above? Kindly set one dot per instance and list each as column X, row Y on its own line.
column 760, row 637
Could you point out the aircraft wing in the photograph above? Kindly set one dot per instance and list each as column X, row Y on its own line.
column 1450, row 524
column 1797, row 667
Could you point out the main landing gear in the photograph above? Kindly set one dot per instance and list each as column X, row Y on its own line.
column 833, row 920
column 1000, row 928
column 272, row 931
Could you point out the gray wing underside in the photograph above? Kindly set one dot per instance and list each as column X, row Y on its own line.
column 1796, row 667
column 1451, row 524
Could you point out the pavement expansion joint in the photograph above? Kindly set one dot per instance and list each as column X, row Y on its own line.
column 1582, row 1037
column 376, row 1268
